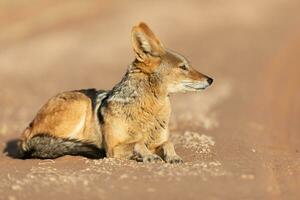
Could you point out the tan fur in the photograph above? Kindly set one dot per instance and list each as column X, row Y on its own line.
column 134, row 115
column 60, row 117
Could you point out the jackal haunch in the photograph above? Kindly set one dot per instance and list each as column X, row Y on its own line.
column 129, row 121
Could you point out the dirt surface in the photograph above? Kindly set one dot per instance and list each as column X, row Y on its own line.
column 239, row 139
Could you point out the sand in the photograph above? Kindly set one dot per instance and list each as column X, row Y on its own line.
column 239, row 139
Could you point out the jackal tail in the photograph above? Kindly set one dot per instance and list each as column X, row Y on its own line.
column 45, row 146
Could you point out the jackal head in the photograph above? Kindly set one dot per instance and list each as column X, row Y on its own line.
column 174, row 71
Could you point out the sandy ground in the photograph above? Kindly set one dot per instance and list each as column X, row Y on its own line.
column 239, row 138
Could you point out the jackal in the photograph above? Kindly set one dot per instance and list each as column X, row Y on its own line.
column 129, row 121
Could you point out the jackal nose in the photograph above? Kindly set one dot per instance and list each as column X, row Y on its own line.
column 210, row 81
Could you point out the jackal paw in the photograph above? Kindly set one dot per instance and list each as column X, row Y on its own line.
column 151, row 158
column 173, row 159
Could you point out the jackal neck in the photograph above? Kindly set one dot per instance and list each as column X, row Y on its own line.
column 136, row 85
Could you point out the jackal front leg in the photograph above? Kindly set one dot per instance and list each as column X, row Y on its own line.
column 137, row 151
column 142, row 153
column 168, row 153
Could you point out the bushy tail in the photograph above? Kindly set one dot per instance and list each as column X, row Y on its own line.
column 47, row 147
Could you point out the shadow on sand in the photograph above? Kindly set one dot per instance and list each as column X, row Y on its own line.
column 11, row 148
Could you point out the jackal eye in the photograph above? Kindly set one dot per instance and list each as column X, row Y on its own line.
column 183, row 67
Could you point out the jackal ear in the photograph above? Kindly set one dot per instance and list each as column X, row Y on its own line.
column 145, row 43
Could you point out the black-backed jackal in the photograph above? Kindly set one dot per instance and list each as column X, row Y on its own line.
column 129, row 121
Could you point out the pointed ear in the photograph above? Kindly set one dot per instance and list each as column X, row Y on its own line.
column 145, row 44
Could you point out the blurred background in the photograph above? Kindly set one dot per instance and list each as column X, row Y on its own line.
column 250, row 48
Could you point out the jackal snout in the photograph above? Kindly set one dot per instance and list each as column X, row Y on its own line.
column 198, row 80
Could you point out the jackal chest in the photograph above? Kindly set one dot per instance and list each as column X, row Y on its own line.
column 152, row 125
column 138, row 122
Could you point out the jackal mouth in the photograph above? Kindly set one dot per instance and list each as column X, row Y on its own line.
column 195, row 86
